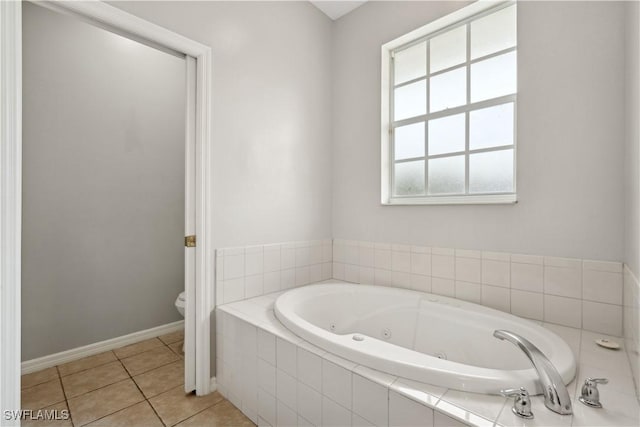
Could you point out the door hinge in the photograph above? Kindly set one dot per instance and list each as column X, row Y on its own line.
column 190, row 241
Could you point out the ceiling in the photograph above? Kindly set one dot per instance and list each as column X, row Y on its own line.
column 336, row 9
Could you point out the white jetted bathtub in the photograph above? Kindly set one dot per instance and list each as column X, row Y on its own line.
column 424, row 337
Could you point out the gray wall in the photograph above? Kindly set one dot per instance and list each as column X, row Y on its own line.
column 570, row 135
column 632, row 139
column 103, row 212
column 271, row 114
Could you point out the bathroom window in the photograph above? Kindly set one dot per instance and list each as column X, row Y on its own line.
column 449, row 95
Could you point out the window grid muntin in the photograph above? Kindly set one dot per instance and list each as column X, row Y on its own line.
column 467, row 108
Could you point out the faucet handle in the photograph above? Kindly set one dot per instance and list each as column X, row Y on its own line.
column 590, row 395
column 521, row 403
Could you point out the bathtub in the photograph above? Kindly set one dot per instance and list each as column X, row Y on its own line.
column 424, row 337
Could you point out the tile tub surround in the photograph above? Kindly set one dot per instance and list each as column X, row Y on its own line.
column 247, row 272
column 276, row 378
column 632, row 323
column 570, row 292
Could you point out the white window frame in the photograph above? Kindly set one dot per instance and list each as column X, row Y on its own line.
column 459, row 17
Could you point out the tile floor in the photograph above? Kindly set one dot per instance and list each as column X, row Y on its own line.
column 140, row 385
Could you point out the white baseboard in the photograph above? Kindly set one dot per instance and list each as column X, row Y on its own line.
column 44, row 362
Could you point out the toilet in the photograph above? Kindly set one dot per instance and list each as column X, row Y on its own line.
column 180, row 304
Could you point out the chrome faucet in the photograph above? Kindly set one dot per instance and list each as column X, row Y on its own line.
column 556, row 397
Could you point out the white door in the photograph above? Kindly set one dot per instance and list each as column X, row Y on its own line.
column 190, row 230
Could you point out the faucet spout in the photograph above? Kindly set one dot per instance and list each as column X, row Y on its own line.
column 556, row 397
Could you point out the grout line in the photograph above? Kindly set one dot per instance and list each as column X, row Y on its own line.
column 83, row 370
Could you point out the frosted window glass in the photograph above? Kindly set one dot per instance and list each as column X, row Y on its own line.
column 446, row 175
column 446, row 135
column 409, row 141
column 409, row 179
column 493, row 77
column 448, row 90
column 448, row 49
column 491, row 172
column 491, row 127
column 493, row 32
column 410, row 63
column 410, row 100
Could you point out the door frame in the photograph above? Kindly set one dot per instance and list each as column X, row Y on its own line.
column 11, row 176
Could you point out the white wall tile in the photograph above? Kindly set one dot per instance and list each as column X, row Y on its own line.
column 267, row 377
column 271, row 260
column 263, row 423
column 302, row 275
column 527, row 304
column 233, row 290
column 382, row 277
column 401, row 261
column 611, row 267
column 271, row 282
column 599, row 317
column 310, row 404
column 370, row 401
column 358, row 421
column 336, row 383
column 468, row 291
column 468, row 269
column 287, row 257
column 367, row 257
column 219, row 266
column 527, row 259
column 302, row 256
column 253, row 261
column 563, row 311
column 401, row 280
column 338, row 271
column 420, row 283
column 315, row 273
column 527, row 277
column 496, row 256
column 327, row 252
column 267, row 346
column 496, row 273
column 286, row 389
column 443, row 251
column 233, row 266
column 441, row 420
column 286, row 356
column 382, row 259
column 602, row 286
column 404, row 412
column 315, row 254
column 352, row 273
column 351, row 254
column 287, row 278
column 310, row 369
column 267, row 407
column 562, row 281
column 327, row 271
column 253, row 286
column 366, row 275
column 286, row 417
column 334, row 415
column 442, row 266
column 444, row 287
column 496, row 297
column 421, row 263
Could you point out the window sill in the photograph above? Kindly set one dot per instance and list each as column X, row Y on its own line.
column 484, row 199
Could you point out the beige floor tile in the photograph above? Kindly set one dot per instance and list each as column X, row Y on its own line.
column 161, row 379
column 35, row 378
column 105, row 401
column 172, row 337
column 177, row 348
column 42, row 395
column 138, row 415
column 93, row 379
column 174, row 405
column 139, row 347
column 149, row 360
column 223, row 414
column 86, row 363
column 51, row 416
